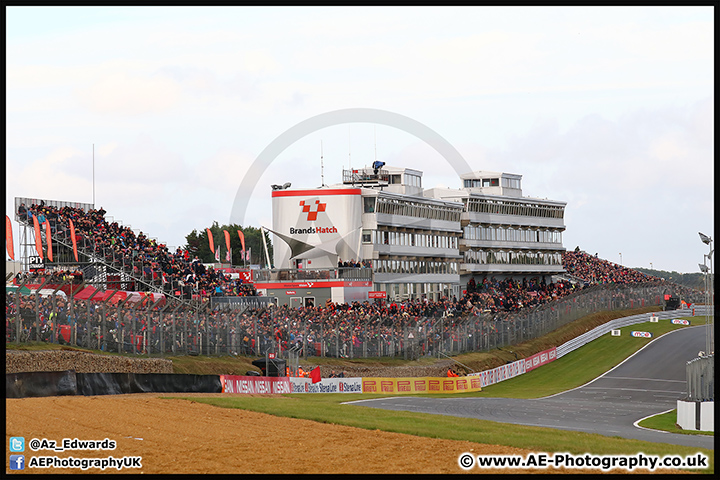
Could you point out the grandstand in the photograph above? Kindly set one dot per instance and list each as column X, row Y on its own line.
column 156, row 301
column 112, row 256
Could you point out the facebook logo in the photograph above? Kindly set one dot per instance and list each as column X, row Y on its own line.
column 17, row 462
column 17, row 444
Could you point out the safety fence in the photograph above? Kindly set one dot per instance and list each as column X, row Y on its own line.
column 601, row 330
column 175, row 329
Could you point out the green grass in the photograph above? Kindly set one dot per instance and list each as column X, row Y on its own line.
column 667, row 422
column 572, row 371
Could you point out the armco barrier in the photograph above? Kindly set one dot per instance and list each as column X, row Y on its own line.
column 404, row 385
column 411, row 385
column 503, row 372
column 326, row 385
column 601, row 330
column 254, row 385
column 513, row 369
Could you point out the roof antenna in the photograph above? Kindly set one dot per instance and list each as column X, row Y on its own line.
column 322, row 174
column 375, row 139
column 352, row 177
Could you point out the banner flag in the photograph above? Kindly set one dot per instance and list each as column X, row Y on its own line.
column 217, row 254
column 248, row 253
column 9, row 238
column 210, row 240
column 227, row 239
column 228, row 256
column 48, row 237
column 38, row 240
column 74, row 239
column 242, row 241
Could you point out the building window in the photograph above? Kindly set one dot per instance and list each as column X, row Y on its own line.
column 369, row 204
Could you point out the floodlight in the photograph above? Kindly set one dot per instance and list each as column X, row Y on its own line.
column 703, row 268
column 705, row 239
column 286, row 185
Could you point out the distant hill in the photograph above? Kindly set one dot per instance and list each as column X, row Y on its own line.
column 690, row 280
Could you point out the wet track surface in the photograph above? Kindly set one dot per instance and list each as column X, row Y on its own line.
column 647, row 383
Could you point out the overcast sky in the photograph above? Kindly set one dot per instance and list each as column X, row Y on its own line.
column 157, row 113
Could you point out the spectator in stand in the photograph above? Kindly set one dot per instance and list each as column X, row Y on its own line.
column 22, row 212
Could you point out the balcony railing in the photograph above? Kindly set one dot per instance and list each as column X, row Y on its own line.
column 318, row 275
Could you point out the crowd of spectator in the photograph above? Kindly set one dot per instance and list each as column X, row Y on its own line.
column 356, row 324
column 592, row 269
column 150, row 262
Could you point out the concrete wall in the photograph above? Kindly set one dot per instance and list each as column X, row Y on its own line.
column 688, row 412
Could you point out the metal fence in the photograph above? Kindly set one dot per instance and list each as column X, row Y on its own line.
column 700, row 374
column 177, row 329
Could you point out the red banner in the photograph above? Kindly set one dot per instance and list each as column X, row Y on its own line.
column 74, row 240
column 227, row 239
column 38, row 240
column 48, row 237
column 210, row 240
column 9, row 238
column 255, row 385
column 539, row 359
column 242, row 240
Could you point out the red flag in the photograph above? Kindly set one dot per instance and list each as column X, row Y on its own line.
column 210, row 240
column 227, row 239
column 48, row 234
column 315, row 374
column 9, row 238
column 74, row 240
column 38, row 240
column 242, row 240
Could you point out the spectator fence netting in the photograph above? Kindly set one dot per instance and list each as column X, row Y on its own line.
column 255, row 328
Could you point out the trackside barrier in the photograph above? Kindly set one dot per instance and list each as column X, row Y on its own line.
column 254, row 385
column 601, row 330
column 326, row 385
column 403, row 385
column 503, row 372
column 514, row 369
column 410, row 385
column 510, row 370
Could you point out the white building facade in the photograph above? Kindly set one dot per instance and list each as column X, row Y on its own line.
column 410, row 242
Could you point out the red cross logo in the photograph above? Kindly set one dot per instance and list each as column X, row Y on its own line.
column 312, row 215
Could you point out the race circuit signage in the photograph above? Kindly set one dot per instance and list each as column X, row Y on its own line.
column 323, row 225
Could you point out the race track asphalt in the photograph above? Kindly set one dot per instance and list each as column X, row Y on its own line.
column 647, row 383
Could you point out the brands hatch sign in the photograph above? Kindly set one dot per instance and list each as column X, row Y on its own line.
column 312, row 209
